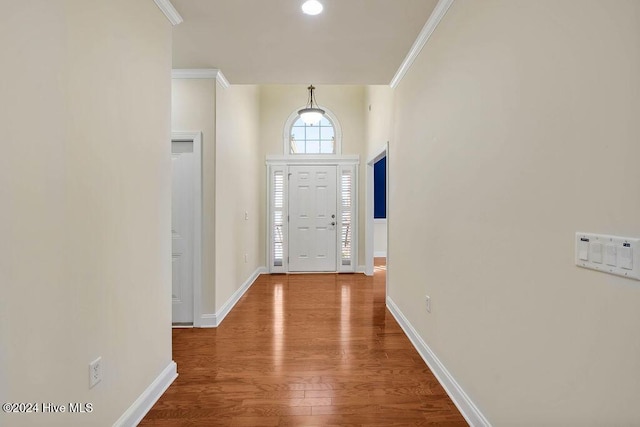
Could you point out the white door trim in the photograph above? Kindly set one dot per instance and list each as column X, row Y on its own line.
column 312, row 159
column 282, row 163
column 196, row 138
column 368, row 221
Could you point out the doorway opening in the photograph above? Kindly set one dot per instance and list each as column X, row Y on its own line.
column 380, row 213
column 376, row 229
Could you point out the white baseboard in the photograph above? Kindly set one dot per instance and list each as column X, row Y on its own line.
column 231, row 302
column 148, row 398
column 465, row 405
column 213, row 320
column 208, row 321
column 380, row 254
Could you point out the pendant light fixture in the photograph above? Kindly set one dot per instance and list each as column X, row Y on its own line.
column 311, row 114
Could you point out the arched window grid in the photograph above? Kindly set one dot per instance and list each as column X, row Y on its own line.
column 323, row 138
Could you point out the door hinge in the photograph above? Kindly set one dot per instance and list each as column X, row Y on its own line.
column 287, row 260
column 288, row 218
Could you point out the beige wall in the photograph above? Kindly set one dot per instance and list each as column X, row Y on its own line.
column 85, row 218
column 239, row 181
column 233, row 176
column 193, row 109
column 277, row 102
column 516, row 127
column 378, row 104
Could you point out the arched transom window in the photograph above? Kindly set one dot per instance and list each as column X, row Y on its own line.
column 321, row 138
column 313, row 139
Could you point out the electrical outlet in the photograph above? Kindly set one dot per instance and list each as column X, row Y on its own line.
column 246, row 258
column 428, row 303
column 246, row 215
column 95, row 372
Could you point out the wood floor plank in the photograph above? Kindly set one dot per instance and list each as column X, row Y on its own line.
column 303, row 350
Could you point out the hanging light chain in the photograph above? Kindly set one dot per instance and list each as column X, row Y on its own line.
column 312, row 113
column 311, row 96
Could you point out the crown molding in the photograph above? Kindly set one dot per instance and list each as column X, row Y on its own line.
column 222, row 80
column 425, row 34
column 200, row 73
column 169, row 11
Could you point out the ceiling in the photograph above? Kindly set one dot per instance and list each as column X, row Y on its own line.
column 273, row 42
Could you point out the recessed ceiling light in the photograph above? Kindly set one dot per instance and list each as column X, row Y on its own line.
column 312, row 7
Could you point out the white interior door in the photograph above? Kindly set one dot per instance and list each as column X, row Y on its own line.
column 312, row 218
column 182, row 229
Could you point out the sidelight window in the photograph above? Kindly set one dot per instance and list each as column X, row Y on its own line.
column 278, row 220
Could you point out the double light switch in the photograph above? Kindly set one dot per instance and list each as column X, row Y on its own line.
column 609, row 254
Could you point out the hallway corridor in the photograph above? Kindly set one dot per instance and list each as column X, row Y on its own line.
column 303, row 350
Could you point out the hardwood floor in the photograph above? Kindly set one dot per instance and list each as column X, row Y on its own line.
column 303, row 350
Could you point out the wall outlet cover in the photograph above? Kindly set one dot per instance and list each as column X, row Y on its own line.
column 95, row 372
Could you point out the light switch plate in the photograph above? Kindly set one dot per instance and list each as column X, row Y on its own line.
column 608, row 254
column 583, row 249
column 625, row 255
column 596, row 252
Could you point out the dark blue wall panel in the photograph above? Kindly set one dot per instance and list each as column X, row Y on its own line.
column 380, row 188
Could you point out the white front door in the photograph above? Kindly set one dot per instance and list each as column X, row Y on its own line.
column 182, row 230
column 312, row 218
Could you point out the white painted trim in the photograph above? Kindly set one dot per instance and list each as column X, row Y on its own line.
column 149, row 397
column 222, row 80
column 283, row 162
column 208, row 320
column 380, row 254
column 214, row 320
column 425, row 34
column 379, row 154
column 361, row 269
column 272, row 169
column 368, row 220
column 463, row 402
column 196, row 137
column 355, row 220
column 286, row 132
column 369, row 207
column 355, row 198
column 233, row 300
column 269, row 222
column 169, row 11
column 312, row 159
column 200, row 73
